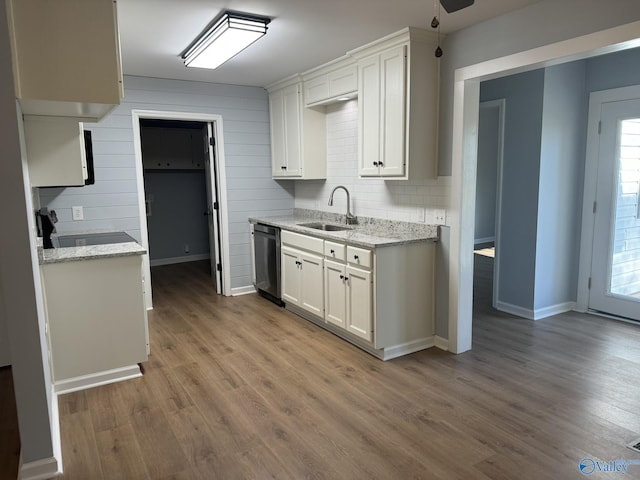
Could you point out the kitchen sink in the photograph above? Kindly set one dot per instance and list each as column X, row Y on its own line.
column 327, row 227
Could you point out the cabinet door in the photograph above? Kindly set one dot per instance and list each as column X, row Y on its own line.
column 312, row 288
column 369, row 115
column 392, row 115
column 276, row 116
column 55, row 151
column 291, row 276
column 359, row 303
column 335, row 293
column 292, row 131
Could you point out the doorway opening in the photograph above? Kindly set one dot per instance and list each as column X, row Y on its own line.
column 488, row 201
column 181, row 200
column 466, row 101
column 183, row 215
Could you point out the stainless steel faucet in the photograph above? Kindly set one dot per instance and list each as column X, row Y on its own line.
column 350, row 219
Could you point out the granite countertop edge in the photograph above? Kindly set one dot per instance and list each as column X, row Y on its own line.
column 372, row 233
column 92, row 252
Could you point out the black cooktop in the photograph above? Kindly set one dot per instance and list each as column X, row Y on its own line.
column 87, row 239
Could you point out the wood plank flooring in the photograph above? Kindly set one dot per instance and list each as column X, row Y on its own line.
column 239, row 388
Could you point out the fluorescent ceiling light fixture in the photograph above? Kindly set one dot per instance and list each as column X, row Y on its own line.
column 227, row 36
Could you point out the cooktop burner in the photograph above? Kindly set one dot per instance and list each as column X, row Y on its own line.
column 86, row 239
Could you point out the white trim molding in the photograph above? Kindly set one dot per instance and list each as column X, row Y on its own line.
column 97, row 379
column 441, row 343
column 172, row 260
column 537, row 314
column 242, row 290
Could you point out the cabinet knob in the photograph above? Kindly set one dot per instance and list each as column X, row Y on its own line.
column 346, row 279
column 333, row 252
column 284, row 167
column 375, row 164
column 380, row 164
column 341, row 277
column 298, row 263
column 355, row 257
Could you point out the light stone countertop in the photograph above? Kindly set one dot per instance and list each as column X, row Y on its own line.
column 369, row 232
column 92, row 252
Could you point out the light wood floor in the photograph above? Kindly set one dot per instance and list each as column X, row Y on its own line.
column 239, row 388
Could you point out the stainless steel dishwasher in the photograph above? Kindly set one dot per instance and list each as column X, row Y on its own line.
column 267, row 261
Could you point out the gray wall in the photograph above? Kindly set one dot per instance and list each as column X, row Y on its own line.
column 177, row 213
column 521, row 163
column 615, row 70
column 20, row 288
column 112, row 202
column 564, row 124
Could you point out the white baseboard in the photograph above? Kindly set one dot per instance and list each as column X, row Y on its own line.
column 538, row 314
column 441, row 343
column 96, row 379
column 515, row 310
column 242, row 290
column 541, row 313
column 42, row 469
column 406, row 348
column 170, row 261
column 478, row 241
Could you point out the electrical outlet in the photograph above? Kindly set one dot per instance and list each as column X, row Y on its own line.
column 77, row 213
column 440, row 216
column 422, row 214
column 186, row 248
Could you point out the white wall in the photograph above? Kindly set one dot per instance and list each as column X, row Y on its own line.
column 20, row 279
column 112, row 202
column 412, row 201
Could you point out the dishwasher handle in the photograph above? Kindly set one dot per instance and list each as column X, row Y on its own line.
column 266, row 229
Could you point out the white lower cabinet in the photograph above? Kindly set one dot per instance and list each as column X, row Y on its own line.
column 302, row 280
column 381, row 299
column 96, row 318
column 348, row 301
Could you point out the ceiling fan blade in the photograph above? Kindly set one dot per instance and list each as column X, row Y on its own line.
column 454, row 5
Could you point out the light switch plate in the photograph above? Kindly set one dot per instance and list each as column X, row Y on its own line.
column 440, row 216
column 77, row 213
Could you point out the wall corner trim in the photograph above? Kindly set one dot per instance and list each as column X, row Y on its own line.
column 242, row 290
column 441, row 343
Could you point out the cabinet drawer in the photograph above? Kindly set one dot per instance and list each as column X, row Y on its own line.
column 360, row 256
column 302, row 241
column 335, row 250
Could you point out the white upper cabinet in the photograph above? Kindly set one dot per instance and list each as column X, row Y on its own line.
column 397, row 106
column 331, row 82
column 66, row 57
column 298, row 135
column 56, row 154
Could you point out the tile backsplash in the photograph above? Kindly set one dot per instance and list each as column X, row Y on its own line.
column 409, row 201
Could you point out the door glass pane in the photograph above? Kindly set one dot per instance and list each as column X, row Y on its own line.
column 625, row 264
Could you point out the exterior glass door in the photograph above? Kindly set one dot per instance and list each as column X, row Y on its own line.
column 615, row 272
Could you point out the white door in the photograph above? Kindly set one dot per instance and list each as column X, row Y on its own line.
column 213, row 209
column 335, row 294
column 291, row 276
column 292, row 132
column 312, row 298
column 359, row 302
column 392, row 116
column 615, row 268
column 369, row 116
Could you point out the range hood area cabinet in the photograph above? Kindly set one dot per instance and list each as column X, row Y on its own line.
column 398, row 106
column 66, row 57
column 56, row 155
column 331, row 82
column 298, row 134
